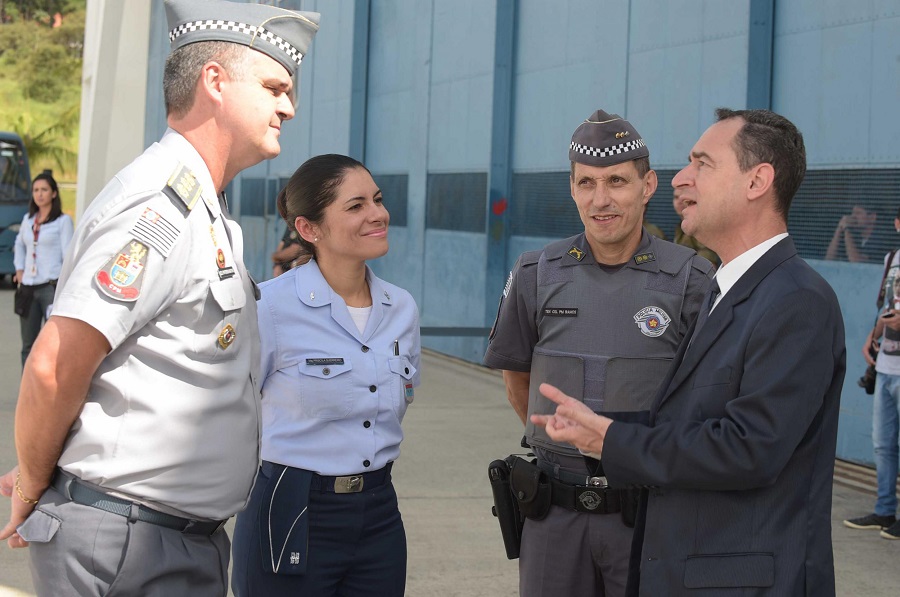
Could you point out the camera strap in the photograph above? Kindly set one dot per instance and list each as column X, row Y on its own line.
column 887, row 267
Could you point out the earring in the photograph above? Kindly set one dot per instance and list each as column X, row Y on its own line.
column 315, row 240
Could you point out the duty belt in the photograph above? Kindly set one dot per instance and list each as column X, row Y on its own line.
column 585, row 498
column 74, row 489
column 581, row 493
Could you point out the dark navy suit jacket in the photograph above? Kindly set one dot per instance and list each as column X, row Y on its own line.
column 739, row 454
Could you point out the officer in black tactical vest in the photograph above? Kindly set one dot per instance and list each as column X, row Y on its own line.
column 599, row 315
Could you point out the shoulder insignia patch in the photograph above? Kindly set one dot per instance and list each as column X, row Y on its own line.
column 575, row 252
column 644, row 258
column 183, row 185
column 122, row 276
column 652, row 321
column 508, row 285
column 154, row 230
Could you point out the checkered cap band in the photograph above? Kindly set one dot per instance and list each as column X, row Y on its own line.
column 607, row 151
column 250, row 30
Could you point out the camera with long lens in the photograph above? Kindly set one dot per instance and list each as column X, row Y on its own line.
column 867, row 381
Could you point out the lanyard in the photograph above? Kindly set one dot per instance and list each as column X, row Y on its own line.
column 36, row 229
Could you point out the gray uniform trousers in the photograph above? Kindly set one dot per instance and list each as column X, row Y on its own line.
column 574, row 553
column 552, row 558
column 96, row 553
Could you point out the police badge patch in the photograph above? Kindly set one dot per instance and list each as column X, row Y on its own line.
column 652, row 321
column 122, row 276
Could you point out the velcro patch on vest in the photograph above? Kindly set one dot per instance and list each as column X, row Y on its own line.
column 121, row 277
column 652, row 321
column 644, row 258
column 560, row 312
column 575, row 252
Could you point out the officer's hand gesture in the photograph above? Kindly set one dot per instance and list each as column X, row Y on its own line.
column 573, row 422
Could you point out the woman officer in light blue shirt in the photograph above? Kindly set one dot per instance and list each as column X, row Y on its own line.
column 40, row 246
column 340, row 359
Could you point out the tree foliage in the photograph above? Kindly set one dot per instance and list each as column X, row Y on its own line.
column 50, row 143
column 40, row 77
column 30, row 10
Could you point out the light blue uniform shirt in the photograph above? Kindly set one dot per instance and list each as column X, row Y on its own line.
column 332, row 397
column 43, row 263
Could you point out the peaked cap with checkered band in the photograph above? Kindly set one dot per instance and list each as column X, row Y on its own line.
column 284, row 35
column 606, row 139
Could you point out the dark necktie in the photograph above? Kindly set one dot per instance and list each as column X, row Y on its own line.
column 708, row 303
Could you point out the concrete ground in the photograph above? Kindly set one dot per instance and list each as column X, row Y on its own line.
column 459, row 422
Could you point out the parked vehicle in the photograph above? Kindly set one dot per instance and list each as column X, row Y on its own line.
column 15, row 193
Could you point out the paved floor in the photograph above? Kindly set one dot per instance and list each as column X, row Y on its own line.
column 459, row 422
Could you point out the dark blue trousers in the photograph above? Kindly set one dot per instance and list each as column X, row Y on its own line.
column 357, row 546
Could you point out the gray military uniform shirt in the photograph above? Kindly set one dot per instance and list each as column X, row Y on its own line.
column 604, row 335
column 156, row 265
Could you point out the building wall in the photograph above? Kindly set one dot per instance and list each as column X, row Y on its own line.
column 418, row 90
column 114, row 96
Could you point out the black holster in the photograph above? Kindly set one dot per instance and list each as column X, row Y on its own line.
column 531, row 488
column 506, row 508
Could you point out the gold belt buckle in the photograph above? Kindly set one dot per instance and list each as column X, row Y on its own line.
column 350, row 484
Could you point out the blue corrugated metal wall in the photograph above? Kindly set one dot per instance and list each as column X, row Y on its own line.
column 444, row 91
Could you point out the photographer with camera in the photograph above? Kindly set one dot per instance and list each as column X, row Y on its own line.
column 885, row 416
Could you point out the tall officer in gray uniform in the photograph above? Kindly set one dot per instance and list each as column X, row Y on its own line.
column 137, row 427
column 602, row 314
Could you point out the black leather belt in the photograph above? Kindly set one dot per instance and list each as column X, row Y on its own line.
column 75, row 490
column 352, row 483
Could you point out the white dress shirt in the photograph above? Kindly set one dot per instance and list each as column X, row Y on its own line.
column 728, row 275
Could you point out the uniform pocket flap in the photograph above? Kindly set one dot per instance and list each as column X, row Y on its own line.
column 39, row 527
column 730, row 571
column 402, row 367
column 228, row 293
column 324, row 367
column 712, row 377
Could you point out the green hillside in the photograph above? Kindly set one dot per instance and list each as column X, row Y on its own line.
column 41, row 43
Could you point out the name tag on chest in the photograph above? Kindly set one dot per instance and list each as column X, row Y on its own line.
column 560, row 312
column 331, row 361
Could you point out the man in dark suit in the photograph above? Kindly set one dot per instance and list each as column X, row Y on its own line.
column 739, row 455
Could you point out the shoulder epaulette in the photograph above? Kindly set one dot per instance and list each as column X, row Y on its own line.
column 183, row 186
column 530, row 257
column 703, row 264
column 566, row 246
